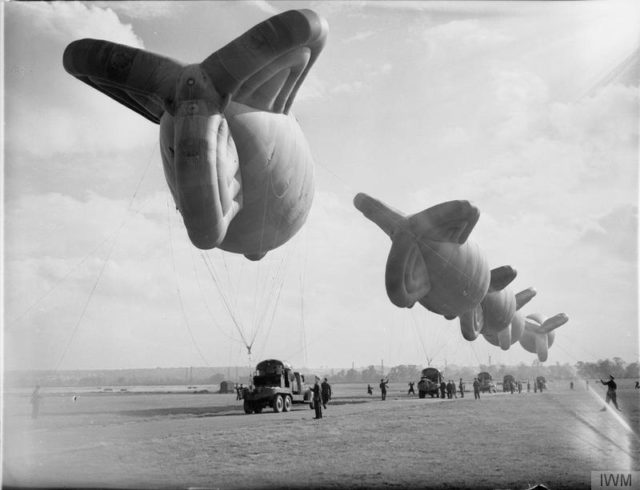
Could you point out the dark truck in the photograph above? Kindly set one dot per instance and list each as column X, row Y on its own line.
column 509, row 383
column 276, row 385
column 486, row 383
column 429, row 383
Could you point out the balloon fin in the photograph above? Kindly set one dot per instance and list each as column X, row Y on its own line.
column 142, row 81
column 406, row 277
column 553, row 323
column 523, row 297
column 471, row 323
column 501, row 277
column 264, row 67
column 387, row 218
column 504, row 338
column 542, row 347
column 450, row 221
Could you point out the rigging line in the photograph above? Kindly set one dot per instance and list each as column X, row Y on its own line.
column 275, row 281
column 474, row 353
column 273, row 312
column 302, row 323
column 175, row 275
column 417, row 330
column 90, row 254
column 232, row 287
column 206, row 304
column 224, row 300
column 89, row 297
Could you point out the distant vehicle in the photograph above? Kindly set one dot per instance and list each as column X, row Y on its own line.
column 276, row 385
column 429, row 383
column 486, row 383
column 541, row 383
column 509, row 383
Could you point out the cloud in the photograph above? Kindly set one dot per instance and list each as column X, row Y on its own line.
column 43, row 100
column 616, row 235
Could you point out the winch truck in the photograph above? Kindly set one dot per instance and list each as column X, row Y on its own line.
column 276, row 385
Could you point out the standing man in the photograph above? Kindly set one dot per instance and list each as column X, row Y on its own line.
column 411, row 390
column 476, row 388
column 611, row 392
column 443, row 389
column 461, row 387
column 326, row 392
column 317, row 398
column 383, row 388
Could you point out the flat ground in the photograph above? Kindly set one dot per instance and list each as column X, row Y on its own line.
column 162, row 440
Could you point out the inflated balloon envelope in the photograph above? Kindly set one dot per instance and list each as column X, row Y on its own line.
column 237, row 163
column 494, row 331
column 539, row 333
column 431, row 259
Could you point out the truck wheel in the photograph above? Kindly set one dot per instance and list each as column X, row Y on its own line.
column 421, row 394
column 287, row 403
column 278, row 404
column 247, row 407
column 258, row 410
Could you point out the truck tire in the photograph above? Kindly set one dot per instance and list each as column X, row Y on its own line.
column 258, row 410
column 278, row 404
column 421, row 394
column 247, row 407
column 287, row 404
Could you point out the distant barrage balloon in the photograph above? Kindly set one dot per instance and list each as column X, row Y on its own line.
column 235, row 160
column 494, row 331
column 431, row 261
column 538, row 335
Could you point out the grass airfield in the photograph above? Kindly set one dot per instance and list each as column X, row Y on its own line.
column 180, row 440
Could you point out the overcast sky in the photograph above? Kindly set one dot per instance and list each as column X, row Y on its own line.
column 529, row 110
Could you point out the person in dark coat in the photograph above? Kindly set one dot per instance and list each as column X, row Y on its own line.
column 383, row 388
column 317, row 398
column 411, row 390
column 369, row 390
column 611, row 392
column 476, row 389
column 449, row 389
column 325, row 387
column 461, row 387
column 443, row 389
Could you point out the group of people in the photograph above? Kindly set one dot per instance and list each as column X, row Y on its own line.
column 321, row 396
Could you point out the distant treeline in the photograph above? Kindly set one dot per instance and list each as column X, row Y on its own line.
column 372, row 374
column 121, row 377
column 405, row 373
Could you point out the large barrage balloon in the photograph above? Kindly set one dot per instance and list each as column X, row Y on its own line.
column 538, row 333
column 506, row 337
column 431, row 261
column 237, row 163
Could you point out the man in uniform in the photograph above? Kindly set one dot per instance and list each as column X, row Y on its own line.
column 325, row 388
column 411, row 390
column 317, row 398
column 461, row 386
column 476, row 388
column 611, row 392
column 383, row 388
